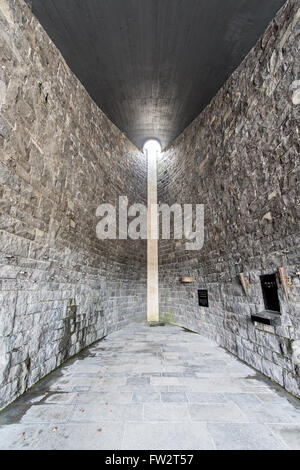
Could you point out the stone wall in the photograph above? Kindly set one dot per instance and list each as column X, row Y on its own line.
column 240, row 158
column 60, row 287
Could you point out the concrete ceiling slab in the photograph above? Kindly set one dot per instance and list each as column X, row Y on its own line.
column 153, row 65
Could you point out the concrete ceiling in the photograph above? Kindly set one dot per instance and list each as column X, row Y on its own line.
column 153, row 65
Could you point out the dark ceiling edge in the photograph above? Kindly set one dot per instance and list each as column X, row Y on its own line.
column 79, row 81
column 180, row 135
column 177, row 137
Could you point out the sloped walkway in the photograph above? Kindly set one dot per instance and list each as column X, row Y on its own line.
column 153, row 388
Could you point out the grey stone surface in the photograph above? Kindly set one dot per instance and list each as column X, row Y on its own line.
column 104, row 397
column 146, row 397
column 219, row 412
column 244, row 437
column 96, row 412
column 171, row 436
column 205, row 397
column 73, row 436
column 18, row 437
column 246, row 411
column 61, row 288
column 173, row 397
column 166, row 412
column 290, row 434
column 271, row 413
column 48, row 413
column 240, row 158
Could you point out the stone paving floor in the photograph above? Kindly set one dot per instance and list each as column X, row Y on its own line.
column 153, row 388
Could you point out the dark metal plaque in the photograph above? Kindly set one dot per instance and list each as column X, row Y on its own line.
column 203, row 297
column 270, row 292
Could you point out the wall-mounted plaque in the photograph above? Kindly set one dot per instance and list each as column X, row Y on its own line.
column 203, row 297
column 270, row 292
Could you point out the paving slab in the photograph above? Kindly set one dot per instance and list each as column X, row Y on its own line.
column 97, row 412
column 171, row 436
column 173, row 397
column 20, row 436
column 48, row 413
column 271, row 413
column 144, row 397
column 288, row 433
column 218, row 412
column 84, row 398
column 233, row 436
column 203, row 397
column 95, row 436
column 165, row 412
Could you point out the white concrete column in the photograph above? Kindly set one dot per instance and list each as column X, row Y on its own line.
column 152, row 149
